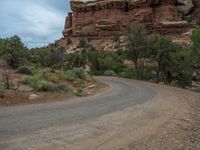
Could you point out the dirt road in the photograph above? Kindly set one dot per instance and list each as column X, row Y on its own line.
column 129, row 115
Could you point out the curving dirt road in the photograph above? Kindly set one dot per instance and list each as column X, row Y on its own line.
column 129, row 115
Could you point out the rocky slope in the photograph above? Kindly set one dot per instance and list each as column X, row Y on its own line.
column 99, row 18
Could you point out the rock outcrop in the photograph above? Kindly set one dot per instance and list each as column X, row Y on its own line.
column 104, row 18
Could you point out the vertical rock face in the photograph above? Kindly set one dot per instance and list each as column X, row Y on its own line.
column 104, row 18
column 196, row 12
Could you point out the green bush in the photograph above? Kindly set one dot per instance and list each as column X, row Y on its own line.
column 128, row 73
column 82, row 43
column 148, row 74
column 52, row 77
column 33, row 81
column 47, row 86
column 24, row 70
column 111, row 61
column 62, row 88
column 79, row 72
column 2, row 91
column 109, row 73
column 78, row 92
column 75, row 74
column 70, row 76
column 98, row 72
column 184, row 80
column 39, row 84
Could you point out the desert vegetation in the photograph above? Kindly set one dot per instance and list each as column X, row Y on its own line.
column 152, row 58
column 29, row 74
column 52, row 69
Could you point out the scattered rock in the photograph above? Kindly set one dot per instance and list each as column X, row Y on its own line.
column 33, row 97
column 91, row 86
column 25, row 88
column 89, row 93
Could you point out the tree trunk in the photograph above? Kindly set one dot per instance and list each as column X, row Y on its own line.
column 136, row 69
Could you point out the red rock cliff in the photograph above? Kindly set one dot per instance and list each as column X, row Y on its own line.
column 101, row 18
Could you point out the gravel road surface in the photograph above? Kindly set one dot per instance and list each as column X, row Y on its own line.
column 127, row 115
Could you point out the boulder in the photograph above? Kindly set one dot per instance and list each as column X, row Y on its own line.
column 184, row 6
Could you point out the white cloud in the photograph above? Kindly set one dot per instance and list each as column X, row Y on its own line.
column 34, row 21
column 42, row 21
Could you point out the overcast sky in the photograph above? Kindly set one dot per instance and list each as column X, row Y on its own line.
column 37, row 22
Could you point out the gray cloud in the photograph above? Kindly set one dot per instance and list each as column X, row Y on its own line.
column 36, row 22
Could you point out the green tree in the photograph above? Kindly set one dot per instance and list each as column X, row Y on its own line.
column 41, row 57
column 196, row 39
column 196, row 49
column 57, row 56
column 137, row 44
column 13, row 51
column 174, row 63
column 82, row 43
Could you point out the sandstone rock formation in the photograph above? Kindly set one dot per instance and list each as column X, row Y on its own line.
column 104, row 18
column 196, row 11
column 185, row 6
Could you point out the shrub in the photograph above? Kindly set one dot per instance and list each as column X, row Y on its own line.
column 52, row 77
column 78, row 92
column 98, row 72
column 184, row 80
column 79, row 72
column 148, row 74
column 75, row 74
column 47, row 86
column 33, row 81
column 111, row 61
column 62, row 88
column 110, row 73
column 39, row 84
column 82, row 43
column 128, row 73
column 2, row 91
column 24, row 70
column 70, row 76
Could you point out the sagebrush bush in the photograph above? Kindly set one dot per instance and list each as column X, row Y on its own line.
column 47, row 86
column 109, row 73
column 79, row 72
column 51, row 77
column 33, row 81
column 62, row 88
column 25, row 70
column 70, row 76
column 75, row 74
column 39, row 84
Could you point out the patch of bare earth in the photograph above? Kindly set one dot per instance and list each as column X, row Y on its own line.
column 170, row 121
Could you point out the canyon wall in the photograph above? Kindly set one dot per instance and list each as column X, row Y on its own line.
column 107, row 18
